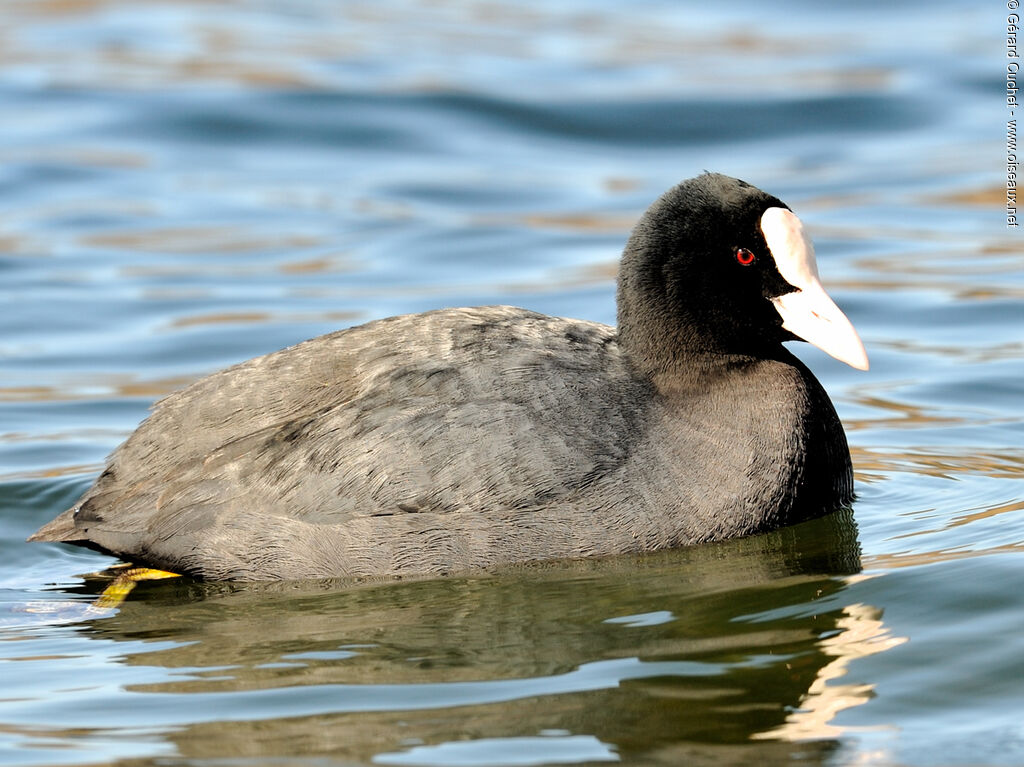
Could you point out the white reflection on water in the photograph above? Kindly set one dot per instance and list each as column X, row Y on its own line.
column 860, row 632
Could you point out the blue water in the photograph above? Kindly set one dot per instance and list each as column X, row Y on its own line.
column 185, row 185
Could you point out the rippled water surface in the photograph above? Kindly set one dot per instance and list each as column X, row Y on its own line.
column 185, row 185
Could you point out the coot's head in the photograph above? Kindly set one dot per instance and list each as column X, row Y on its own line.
column 716, row 266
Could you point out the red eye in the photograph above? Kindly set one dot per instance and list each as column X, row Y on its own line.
column 745, row 257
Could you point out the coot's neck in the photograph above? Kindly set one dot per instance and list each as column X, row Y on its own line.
column 665, row 343
column 678, row 351
column 676, row 329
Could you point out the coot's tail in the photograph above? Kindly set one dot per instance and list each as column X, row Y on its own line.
column 62, row 529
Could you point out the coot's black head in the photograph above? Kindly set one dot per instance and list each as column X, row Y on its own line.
column 716, row 266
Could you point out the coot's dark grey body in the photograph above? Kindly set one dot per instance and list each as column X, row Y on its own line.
column 468, row 438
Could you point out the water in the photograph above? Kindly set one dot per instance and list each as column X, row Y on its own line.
column 186, row 185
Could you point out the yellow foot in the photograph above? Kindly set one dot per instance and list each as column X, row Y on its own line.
column 119, row 588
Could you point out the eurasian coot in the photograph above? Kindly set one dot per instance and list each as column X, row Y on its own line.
column 461, row 439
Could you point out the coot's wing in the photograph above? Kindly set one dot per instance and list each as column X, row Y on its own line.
column 464, row 409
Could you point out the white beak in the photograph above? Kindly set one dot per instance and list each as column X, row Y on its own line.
column 808, row 312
